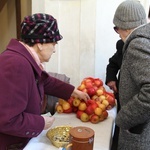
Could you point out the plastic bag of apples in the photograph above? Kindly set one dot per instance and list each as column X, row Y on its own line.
column 95, row 109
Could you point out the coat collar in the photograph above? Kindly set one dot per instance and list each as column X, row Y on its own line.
column 16, row 46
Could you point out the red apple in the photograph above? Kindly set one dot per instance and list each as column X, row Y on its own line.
column 88, row 79
column 88, row 85
column 110, row 93
column 94, row 119
column 74, row 109
column 98, row 82
column 79, row 113
column 89, row 110
column 68, row 110
column 91, row 91
column 95, row 87
column 109, row 107
column 94, row 105
column 105, row 114
column 90, row 102
column 70, row 101
column 111, row 100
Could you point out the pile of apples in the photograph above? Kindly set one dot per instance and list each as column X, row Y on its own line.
column 93, row 110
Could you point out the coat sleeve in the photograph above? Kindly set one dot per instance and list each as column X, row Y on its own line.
column 15, row 87
column 57, row 88
column 114, row 65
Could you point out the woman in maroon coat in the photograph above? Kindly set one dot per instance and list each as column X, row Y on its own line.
column 23, row 82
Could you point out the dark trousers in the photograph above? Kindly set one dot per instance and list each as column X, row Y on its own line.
column 115, row 138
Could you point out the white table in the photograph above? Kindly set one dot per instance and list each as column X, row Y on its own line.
column 103, row 132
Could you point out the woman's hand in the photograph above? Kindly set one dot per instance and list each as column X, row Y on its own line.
column 81, row 95
column 112, row 86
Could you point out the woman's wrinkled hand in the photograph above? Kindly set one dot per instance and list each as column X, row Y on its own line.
column 81, row 95
column 112, row 86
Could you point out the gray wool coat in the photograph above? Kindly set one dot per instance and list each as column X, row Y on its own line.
column 134, row 116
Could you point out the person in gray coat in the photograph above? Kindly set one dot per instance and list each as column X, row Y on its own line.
column 134, row 86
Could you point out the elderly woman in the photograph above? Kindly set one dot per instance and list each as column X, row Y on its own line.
column 23, row 82
column 134, row 87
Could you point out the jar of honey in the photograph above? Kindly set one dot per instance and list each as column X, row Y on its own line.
column 81, row 138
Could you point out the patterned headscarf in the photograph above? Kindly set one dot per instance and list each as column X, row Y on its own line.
column 40, row 28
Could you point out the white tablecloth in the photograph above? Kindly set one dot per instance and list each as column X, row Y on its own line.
column 103, row 132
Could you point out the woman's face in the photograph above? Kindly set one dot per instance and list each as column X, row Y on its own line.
column 123, row 34
column 45, row 51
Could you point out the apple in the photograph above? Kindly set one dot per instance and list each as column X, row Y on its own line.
column 70, row 101
column 94, row 105
column 98, row 102
column 66, row 105
column 94, row 97
column 105, row 102
column 91, row 91
column 88, row 85
column 61, row 101
column 102, row 97
column 84, row 117
column 95, row 87
column 94, row 118
column 99, row 92
column 105, row 114
column 102, row 106
column 89, row 110
column 82, row 106
column 74, row 109
column 98, row 82
column 68, row 110
column 88, row 79
column 101, row 118
column 109, row 107
column 111, row 100
column 81, row 87
column 90, row 102
column 110, row 93
column 79, row 113
column 59, row 108
column 98, row 99
column 76, row 102
column 98, row 111
column 84, row 90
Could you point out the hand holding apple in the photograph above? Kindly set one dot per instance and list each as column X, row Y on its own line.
column 79, row 94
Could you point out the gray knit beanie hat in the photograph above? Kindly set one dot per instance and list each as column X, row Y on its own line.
column 129, row 14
